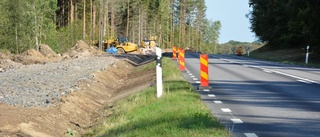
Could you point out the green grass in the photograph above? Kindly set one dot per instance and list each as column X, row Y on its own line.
column 179, row 112
column 289, row 56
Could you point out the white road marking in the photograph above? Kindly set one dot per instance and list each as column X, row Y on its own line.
column 254, row 67
column 307, row 82
column 195, row 79
column 236, row 120
column 250, row 135
column 225, row 110
column 267, row 70
column 225, row 59
column 218, row 102
column 211, row 95
column 192, row 76
column 198, row 82
column 289, row 75
column 285, row 74
column 207, row 90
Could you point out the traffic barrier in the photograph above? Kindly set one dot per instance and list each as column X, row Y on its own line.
column 174, row 53
column 181, row 59
column 204, row 77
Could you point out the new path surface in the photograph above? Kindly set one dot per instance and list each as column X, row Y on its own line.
column 260, row 99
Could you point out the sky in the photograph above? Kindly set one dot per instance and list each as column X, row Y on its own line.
column 232, row 15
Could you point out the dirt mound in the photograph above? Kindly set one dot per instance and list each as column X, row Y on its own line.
column 81, row 49
column 46, row 54
column 5, row 55
column 47, row 51
column 30, row 57
column 6, row 64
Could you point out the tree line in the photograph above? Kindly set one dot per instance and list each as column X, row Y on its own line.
column 60, row 23
column 286, row 23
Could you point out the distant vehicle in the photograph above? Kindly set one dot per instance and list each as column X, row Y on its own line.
column 239, row 51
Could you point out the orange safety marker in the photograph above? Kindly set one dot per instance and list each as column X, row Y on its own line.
column 204, row 77
column 174, row 53
column 179, row 49
column 181, row 60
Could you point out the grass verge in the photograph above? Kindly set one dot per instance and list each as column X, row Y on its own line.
column 179, row 112
column 289, row 56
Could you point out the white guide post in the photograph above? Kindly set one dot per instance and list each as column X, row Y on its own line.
column 159, row 72
column 248, row 51
column 307, row 55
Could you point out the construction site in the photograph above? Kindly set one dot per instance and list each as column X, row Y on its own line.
column 43, row 93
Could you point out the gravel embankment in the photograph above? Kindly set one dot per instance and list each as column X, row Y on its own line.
column 42, row 85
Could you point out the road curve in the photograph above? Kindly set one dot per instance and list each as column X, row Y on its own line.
column 255, row 98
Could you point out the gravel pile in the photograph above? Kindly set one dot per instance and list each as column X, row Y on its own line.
column 43, row 84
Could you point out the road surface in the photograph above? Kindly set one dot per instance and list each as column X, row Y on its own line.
column 258, row 98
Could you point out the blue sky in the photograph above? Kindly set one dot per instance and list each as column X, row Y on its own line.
column 232, row 15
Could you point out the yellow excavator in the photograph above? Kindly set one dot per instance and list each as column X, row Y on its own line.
column 148, row 46
column 122, row 45
column 239, row 51
column 151, row 42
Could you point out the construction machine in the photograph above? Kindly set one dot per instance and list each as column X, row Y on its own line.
column 239, row 51
column 148, row 45
column 151, row 42
column 122, row 45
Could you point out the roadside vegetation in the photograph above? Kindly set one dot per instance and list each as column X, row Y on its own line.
column 179, row 112
column 262, row 51
column 295, row 56
column 26, row 24
column 287, row 28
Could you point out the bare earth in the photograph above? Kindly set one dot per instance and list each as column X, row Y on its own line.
column 79, row 109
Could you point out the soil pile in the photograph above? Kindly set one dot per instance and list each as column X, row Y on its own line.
column 47, row 51
column 82, row 49
column 5, row 55
column 30, row 57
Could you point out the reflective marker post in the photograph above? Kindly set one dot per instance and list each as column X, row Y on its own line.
column 179, row 50
column 181, row 60
column 248, row 51
column 174, row 53
column 204, row 75
column 159, row 72
column 307, row 55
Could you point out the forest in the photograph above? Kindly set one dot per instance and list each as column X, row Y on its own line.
column 25, row 24
column 284, row 24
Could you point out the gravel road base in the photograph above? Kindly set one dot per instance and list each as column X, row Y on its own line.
column 44, row 84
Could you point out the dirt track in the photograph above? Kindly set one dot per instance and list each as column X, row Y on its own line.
column 83, row 107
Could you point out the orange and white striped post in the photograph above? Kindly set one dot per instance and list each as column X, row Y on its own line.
column 204, row 77
column 181, row 60
column 174, row 52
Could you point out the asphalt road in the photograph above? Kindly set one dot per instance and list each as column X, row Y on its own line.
column 258, row 98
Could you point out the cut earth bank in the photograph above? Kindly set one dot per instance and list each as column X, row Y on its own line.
column 44, row 94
